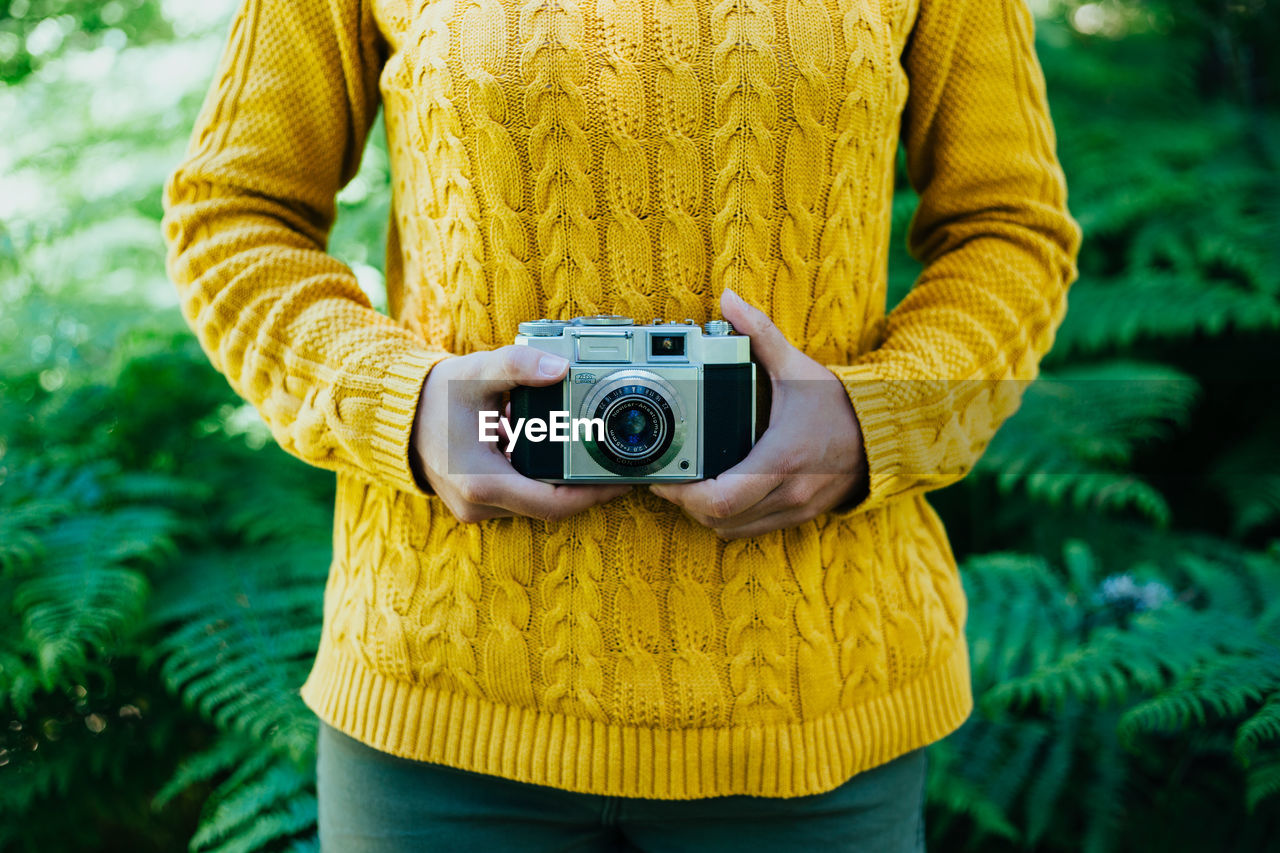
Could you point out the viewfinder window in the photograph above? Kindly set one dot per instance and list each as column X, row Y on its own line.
column 670, row 346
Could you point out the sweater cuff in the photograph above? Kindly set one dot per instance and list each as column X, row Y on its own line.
column 881, row 434
column 393, row 419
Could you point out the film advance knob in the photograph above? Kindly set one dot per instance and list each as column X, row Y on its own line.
column 543, row 328
column 606, row 320
column 717, row 327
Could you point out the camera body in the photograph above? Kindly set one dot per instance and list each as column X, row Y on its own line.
column 666, row 402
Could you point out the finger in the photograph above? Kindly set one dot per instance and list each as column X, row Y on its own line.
column 506, row 367
column 767, row 524
column 553, row 502
column 500, row 485
column 504, row 424
column 737, row 489
column 782, row 498
column 469, row 513
column 807, row 496
column 719, row 498
column 770, row 347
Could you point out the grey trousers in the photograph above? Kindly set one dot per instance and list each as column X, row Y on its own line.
column 374, row 802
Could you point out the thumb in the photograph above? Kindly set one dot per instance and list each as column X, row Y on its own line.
column 770, row 347
column 506, row 367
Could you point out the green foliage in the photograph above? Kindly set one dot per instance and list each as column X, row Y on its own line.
column 1077, row 429
column 34, row 32
column 162, row 563
column 186, row 545
column 72, row 573
column 1081, row 674
column 1106, row 667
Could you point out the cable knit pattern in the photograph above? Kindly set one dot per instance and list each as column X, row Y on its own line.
column 452, row 203
column 624, row 166
column 756, row 605
column 804, row 164
column 817, row 676
column 638, row 681
column 850, row 555
column 553, row 67
column 697, row 681
column 482, row 53
column 561, row 157
column 744, row 68
column 572, row 605
column 446, row 640
column 678, row 92
column 857, row 154
column 505, row 651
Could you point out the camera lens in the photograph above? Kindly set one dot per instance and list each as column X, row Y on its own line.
column 631, row 424
column 638, row 425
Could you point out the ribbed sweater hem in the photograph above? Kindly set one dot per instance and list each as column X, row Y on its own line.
column 594, row 757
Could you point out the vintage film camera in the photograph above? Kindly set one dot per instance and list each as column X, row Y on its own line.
column 667, row 402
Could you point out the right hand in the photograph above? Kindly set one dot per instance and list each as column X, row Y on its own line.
column 474, row 478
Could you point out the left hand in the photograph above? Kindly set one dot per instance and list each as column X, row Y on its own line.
column 808, row 461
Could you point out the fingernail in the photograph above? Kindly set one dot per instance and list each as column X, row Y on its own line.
column 551, row 366
column 733, row 296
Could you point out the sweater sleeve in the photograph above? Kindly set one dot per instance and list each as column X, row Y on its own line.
column 997, row 244
column 247, row 215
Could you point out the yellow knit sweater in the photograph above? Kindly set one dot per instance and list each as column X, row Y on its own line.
column 552, row 158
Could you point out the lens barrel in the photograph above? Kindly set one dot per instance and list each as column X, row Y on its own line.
column 644, row 420
column 639, row 425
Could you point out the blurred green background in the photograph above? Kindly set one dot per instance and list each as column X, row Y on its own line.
column 162, row 563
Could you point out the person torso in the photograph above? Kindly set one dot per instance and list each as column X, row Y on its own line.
column 553, row 159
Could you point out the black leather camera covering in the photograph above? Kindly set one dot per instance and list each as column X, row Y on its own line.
column 538, row 460
column 726, row 416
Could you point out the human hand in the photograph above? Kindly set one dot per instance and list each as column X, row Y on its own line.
column 475, row 479
column 808, row 461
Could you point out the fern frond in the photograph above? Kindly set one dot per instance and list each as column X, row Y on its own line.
column 957, row 794
column 1118, row 313
column 233, row 823
column 76, row 575
column 1019, row 619
column 1248, row 477
column 1262, row 781
column 238, row 634
column 1116, row 664
column 226, row 752
column 310, row 844
column 1239, row 665
column 1262, row 729
column 294, row 815
column 1045, row 791
column 1105, row 795
column 20, row 547
column 69, row 615
column 1076, row 430
column 1225, row 687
